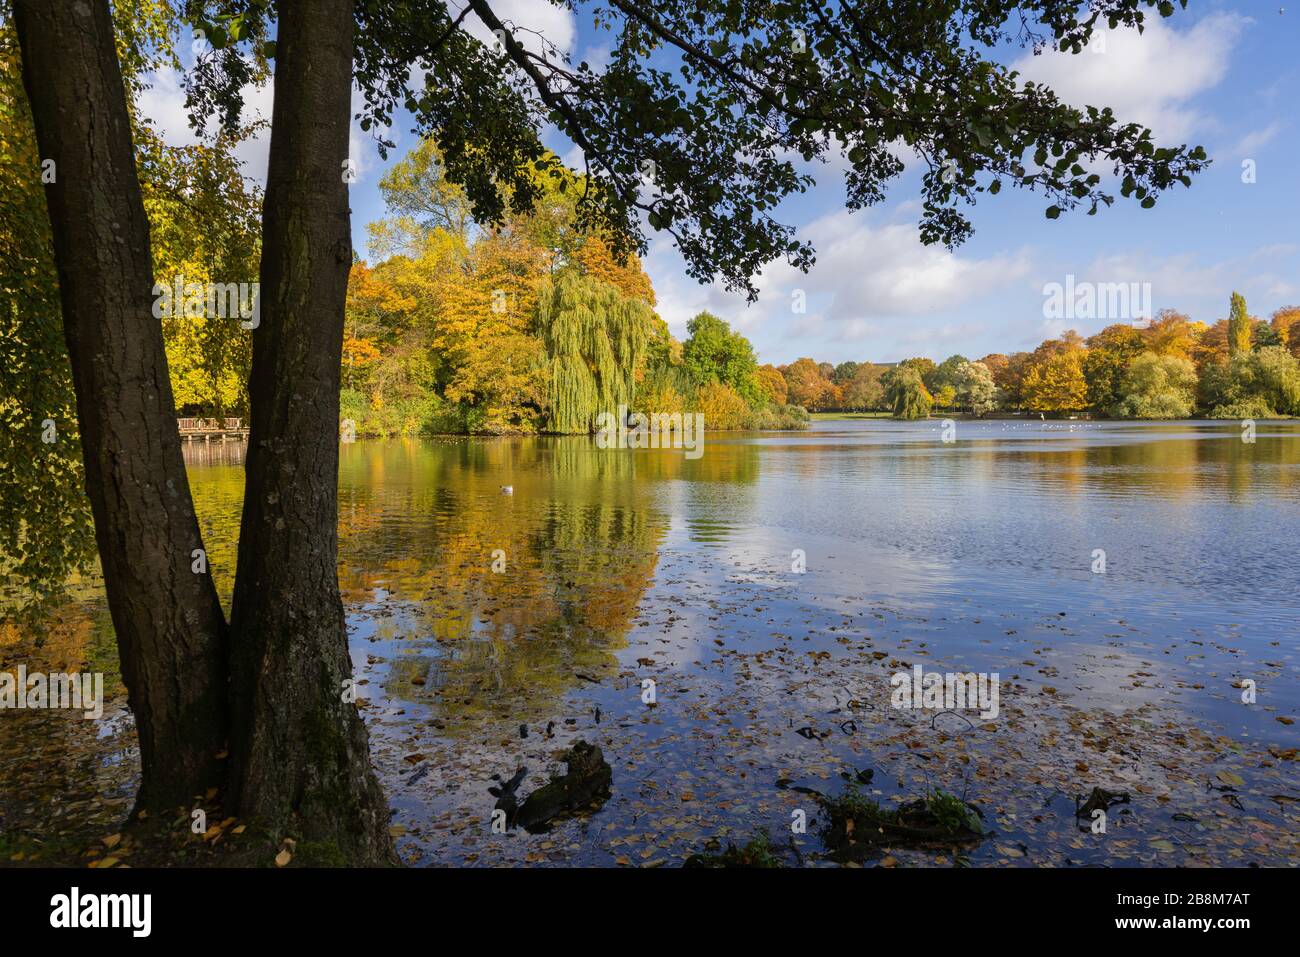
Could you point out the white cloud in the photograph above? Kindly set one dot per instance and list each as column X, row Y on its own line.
column 864, row 275
column 596, row 56
column 872, row 272
column 164, row 103
column 1148, row 78
column 1184, row 281
column 526, row 19
column 1254, row 141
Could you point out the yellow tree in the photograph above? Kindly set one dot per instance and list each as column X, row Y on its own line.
column 483, row 330
column 595, row 259
column 1171, row 333
column 772, row 384
column 1056, row 383
column 205, row 228
column 1286, row 323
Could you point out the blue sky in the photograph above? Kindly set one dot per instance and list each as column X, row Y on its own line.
column 1222, row 74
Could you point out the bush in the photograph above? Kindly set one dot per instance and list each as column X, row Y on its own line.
column 722, row 406
column 427, row 415
column 774, row 418
column 1255, row 408
column 353, row 405
column 663, row 390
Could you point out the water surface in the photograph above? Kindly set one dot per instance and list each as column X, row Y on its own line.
column 617, row 566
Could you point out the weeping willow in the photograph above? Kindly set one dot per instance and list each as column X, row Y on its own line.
column 595, row 341
column 906, row 393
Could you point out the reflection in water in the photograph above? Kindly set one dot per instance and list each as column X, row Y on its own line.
column 500, row 602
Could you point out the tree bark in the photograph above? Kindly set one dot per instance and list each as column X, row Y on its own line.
column 300, row 756
column 171, row 633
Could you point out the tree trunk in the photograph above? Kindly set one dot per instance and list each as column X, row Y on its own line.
column 300, row 757
column 170, row 630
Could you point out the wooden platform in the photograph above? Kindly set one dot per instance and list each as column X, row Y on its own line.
column 212, row 430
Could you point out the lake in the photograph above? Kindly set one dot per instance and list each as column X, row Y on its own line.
column 1127, row 583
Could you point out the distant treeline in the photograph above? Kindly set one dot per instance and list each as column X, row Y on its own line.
column 1169, row 367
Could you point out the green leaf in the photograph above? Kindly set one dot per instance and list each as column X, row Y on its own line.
column 1053, row 212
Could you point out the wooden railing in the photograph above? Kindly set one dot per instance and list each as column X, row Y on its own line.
column 207, row 429
column 213, row 424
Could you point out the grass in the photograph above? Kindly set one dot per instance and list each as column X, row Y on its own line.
column 859, row 827
column 757, row 853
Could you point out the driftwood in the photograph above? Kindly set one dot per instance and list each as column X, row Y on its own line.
column 584, row 788
column 505, row 795
column 1099, row 800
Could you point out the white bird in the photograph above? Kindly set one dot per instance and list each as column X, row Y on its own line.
column 507, row 490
